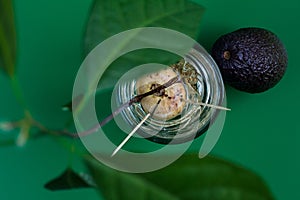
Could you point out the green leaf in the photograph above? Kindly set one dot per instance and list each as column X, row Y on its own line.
column 69, row 180
column 189, row 178
column 115, row 185
column 108, row 18
column 210, row 178
column 7, row 37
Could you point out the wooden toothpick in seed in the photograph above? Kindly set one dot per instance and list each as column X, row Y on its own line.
column 208, row 105
column 130, row 135
column 134, row 130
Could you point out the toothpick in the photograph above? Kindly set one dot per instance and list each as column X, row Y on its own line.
column 130, row 135
column 134, row 130
column 208, row 105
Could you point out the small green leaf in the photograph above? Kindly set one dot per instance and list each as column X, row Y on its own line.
column 189, row 178
column 7, row 37
column 108, row 18
column 69, row 180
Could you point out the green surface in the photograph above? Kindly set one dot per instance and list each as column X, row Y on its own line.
column 260, row 133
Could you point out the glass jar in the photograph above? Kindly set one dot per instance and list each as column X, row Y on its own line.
column 194, row 120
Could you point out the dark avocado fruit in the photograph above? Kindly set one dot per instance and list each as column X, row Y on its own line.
column 250, row 59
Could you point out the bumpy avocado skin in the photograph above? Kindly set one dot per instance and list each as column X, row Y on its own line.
column 256, row 62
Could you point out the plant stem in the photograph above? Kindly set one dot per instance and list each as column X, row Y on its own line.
column 135, row 99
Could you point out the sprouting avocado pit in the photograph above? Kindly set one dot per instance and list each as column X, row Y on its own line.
column 172, row 98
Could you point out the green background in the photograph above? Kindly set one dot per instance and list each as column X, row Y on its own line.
column 261, row 131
